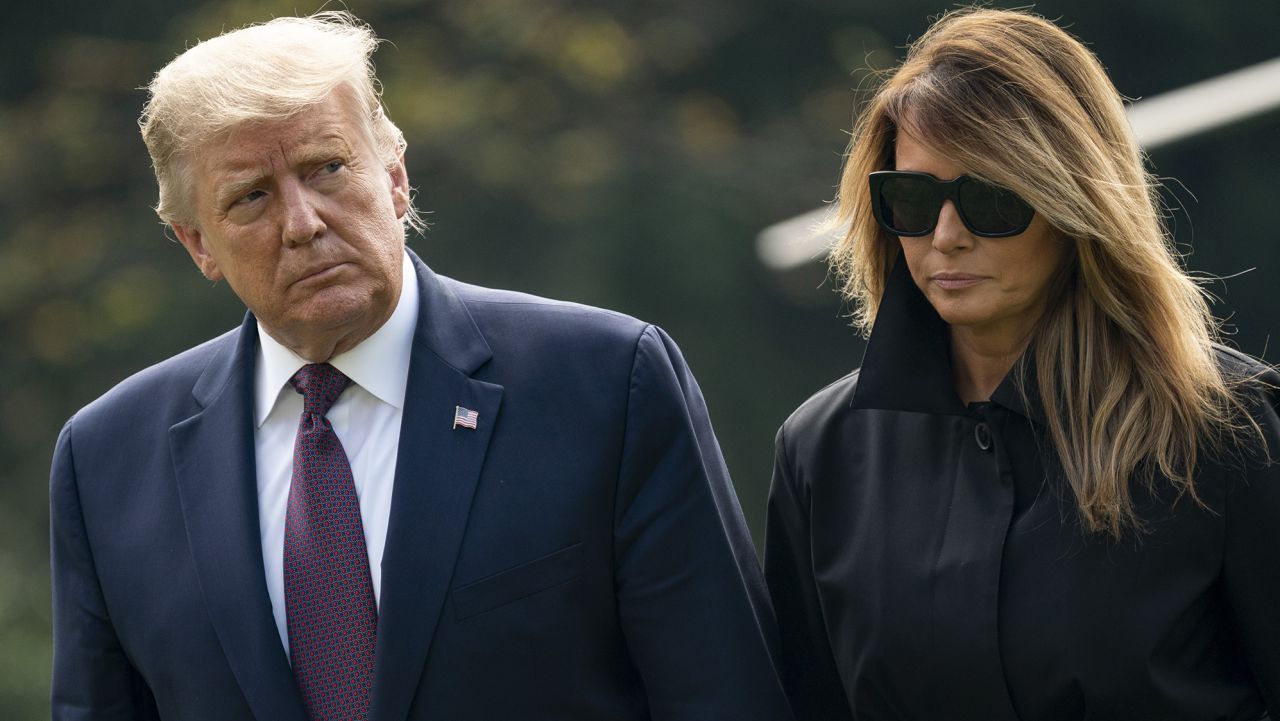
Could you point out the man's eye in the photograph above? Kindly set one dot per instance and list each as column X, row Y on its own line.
column 250, row 196
column 334, row 166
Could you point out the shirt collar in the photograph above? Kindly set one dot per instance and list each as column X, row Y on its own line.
column 907, row 362
column 379, row 364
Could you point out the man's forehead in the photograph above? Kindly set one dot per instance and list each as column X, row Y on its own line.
column 323, row 129
column 257, row 154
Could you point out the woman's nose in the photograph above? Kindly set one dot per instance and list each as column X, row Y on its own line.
column 950, row 234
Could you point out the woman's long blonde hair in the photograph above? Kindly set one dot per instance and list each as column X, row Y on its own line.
column 1124, row 355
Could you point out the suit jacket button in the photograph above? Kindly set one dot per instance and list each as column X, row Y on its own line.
column 983, row 435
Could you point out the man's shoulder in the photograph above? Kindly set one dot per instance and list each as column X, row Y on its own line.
column 536, row 315
column 152, row 390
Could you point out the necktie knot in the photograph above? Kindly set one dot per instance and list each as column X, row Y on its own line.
column 320, row 385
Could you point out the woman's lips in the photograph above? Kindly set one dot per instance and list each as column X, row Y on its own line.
column 956, row 281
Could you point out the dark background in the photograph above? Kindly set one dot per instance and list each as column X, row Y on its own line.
column 613, row 153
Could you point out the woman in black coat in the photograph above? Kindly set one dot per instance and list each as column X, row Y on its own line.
column 1048, row 493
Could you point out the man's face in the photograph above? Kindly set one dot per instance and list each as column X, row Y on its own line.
column 303, row 221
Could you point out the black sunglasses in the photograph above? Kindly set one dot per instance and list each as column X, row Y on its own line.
column 908, row 204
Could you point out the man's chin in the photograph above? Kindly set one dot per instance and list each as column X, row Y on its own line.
column 335, row 306
column 336, row 318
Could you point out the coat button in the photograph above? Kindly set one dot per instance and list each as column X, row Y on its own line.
column 983, row 435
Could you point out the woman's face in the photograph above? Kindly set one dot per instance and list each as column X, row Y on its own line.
column 995, row 288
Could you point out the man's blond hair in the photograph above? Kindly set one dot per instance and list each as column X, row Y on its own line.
column 264, row 72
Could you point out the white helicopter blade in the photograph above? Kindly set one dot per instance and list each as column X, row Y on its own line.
column 1156, row 121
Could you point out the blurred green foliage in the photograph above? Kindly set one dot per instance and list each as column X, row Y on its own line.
column 613, row 153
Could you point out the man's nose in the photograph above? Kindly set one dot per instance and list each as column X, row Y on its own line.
column 950, row 234
column 301, row 223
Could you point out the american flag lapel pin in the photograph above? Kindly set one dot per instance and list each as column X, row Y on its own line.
column 464, row 417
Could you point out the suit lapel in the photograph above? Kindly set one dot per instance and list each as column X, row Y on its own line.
column 213, row 458
column 437, row 469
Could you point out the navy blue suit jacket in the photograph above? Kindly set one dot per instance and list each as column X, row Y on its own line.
column 579, row 555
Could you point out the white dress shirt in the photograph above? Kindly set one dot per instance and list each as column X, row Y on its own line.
column 366, row 418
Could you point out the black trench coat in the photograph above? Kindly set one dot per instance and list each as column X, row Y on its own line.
column 926, row 560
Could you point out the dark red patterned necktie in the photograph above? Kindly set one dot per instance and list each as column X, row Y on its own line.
column 329, row 602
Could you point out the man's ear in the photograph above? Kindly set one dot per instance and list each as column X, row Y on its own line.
column 399, row 187
column 193, row 240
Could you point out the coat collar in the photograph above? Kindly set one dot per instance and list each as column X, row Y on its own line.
column 437, row 470
column 907, row 362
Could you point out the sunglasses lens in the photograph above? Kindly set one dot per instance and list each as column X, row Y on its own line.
column 909, row 206
column 992, row 210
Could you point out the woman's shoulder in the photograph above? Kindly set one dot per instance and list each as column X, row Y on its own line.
column 821, row 410
column 1255, row 382
column 1255, row 386
column 1238, row 365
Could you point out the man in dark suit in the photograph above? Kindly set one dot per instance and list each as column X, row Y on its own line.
column 388, row 494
